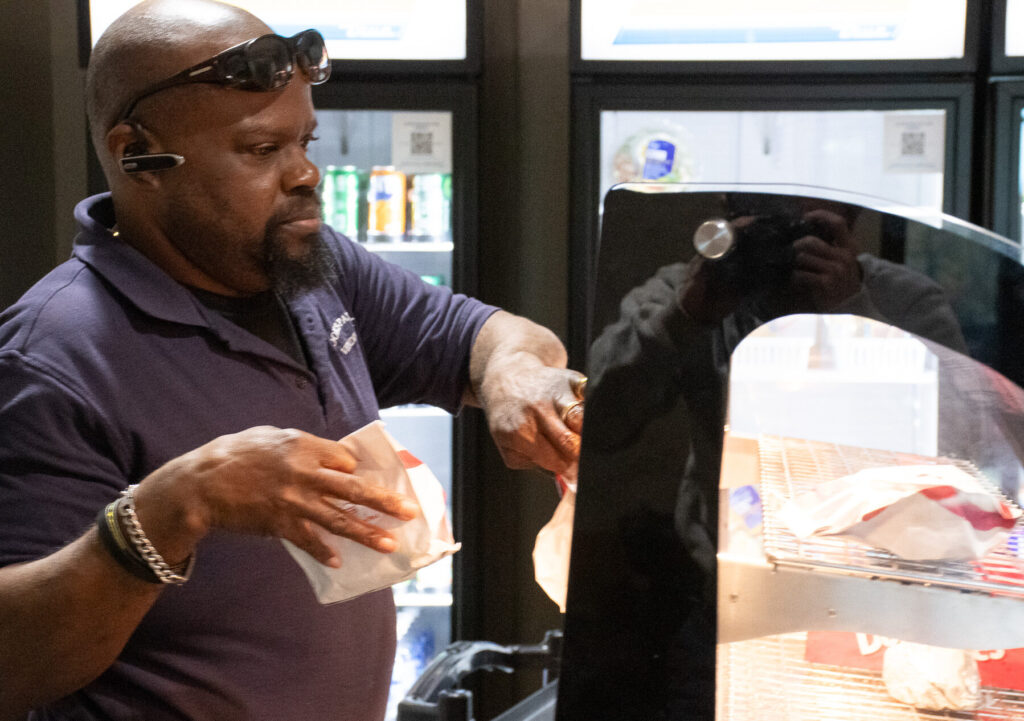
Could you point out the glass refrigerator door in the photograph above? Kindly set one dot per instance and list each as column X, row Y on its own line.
column 651, row 30
column 354, row 30
column 897, row 155
column 387, row 184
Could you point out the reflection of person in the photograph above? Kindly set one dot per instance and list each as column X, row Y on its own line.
column 207, row 343
column 656, row 408
column 697, row 312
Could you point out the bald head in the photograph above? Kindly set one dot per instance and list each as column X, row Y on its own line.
column 152, row 41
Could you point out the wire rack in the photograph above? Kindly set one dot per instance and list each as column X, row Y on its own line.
column 790, row 466
column 768, row 679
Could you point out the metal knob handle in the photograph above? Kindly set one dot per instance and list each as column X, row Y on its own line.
column 714, row 238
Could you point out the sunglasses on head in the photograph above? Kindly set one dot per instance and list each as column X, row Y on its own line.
column 261, row 64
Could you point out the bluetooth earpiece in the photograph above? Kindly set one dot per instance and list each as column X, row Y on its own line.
column 150, row 162
column 137, row 160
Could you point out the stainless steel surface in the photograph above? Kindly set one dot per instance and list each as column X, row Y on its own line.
column 769, row 679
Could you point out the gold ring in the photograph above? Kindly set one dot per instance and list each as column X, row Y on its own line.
column 579, row 386
column 568, row 409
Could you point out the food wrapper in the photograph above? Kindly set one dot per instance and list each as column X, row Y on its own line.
column 553, row 545
column 917, row 512
column 997, row 668
column 932, row 678
column 382, row 461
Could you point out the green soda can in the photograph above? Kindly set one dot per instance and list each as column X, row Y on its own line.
column 341, row 199
column 328, row 182
column 430, row 206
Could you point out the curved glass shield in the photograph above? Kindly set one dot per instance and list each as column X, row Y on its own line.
column 801, row 463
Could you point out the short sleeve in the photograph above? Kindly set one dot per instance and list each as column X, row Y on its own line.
column 57, row 466
column 417, row 337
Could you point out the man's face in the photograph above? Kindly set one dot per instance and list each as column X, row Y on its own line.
column 243, row 209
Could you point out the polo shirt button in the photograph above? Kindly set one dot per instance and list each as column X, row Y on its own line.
column 301, row 383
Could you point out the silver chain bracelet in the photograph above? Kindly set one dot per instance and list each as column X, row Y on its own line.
column 166, row 573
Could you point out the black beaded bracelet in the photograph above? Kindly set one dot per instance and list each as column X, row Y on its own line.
column 117, row 545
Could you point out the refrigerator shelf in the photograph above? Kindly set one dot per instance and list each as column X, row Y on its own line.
column 409, row 246
column 769, row 679
column 422, row 600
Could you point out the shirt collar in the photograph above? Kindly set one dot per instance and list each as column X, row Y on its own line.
column 134, row 275
column 155, row 293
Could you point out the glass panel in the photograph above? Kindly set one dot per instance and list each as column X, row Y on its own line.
column 387, row 183
column 1014, row 28
column 353, row 29
column 751, row 343
column 789, row 30
column 898, row 155
column 1018, row 197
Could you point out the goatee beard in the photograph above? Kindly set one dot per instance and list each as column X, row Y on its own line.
column 291, row 275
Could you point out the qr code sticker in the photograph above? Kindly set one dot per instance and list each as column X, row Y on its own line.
column 912, row 144
column 422, row 143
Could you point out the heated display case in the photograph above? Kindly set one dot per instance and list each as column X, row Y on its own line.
column 722, row 387
column 690, row 597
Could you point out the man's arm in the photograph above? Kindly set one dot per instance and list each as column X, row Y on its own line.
column 65, row 618
column 518, row 376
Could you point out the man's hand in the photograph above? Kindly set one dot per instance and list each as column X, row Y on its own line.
column 533, row 403
column 269, row 482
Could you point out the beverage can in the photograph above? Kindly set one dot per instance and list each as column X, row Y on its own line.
column 430, row 206
column 341, row 199
column 386, row 203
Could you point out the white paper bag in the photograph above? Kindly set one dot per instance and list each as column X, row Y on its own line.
column 917, row 512
column 553, row 546
column 382, row 461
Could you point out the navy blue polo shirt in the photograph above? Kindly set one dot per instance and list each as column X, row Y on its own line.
column 109, row 368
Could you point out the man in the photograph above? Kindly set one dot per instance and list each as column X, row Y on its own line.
column 207, row 343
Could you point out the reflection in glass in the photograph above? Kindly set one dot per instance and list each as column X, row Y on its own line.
column 831, row 335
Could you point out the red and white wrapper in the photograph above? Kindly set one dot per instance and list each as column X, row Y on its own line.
column 382, row 461
column 919, row 512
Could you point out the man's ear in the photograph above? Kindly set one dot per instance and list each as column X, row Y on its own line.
column 133, row 149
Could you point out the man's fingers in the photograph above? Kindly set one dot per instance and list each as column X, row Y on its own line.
column 562, row 433
column 344, row 520
column 346, row 487
column 572, row 416
column 540, row 453
column 303, row 536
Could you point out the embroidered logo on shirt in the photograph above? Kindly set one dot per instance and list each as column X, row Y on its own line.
column 343, row 327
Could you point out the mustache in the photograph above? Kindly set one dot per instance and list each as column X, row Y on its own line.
column 302, row 203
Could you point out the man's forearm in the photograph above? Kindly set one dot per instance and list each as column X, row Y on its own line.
column 506, row 338
column 63, row 620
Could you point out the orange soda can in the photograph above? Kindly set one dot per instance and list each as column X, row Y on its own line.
column 386, row 196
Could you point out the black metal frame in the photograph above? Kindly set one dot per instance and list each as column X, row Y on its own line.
column 350, row 69
column 590, row 99
column 1006, row 181
column 976, row 11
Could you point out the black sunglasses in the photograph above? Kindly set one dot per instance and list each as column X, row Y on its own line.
column 261, row 64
